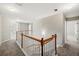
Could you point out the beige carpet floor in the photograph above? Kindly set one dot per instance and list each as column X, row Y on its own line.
column 10, row 48
column 68, row 50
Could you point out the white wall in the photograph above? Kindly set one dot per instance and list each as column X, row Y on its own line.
column 8, row 28
column 51, row 25
column 77, row 30
column 5, row 29
column 0, row 29
column 13, row 28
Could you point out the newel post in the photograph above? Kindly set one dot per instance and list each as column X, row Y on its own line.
column 41, row 46
column 21, row 40
column 55, row 44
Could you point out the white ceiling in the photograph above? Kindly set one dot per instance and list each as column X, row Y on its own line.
column 37, row 10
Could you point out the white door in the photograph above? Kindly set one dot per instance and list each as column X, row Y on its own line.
column 71, row 30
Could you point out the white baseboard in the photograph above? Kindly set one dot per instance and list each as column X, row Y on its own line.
column 4, row 41
column 17, row 44
column 22, row 49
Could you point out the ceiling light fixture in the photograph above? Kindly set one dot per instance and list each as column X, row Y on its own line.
column 12, row 9
column 70, row 6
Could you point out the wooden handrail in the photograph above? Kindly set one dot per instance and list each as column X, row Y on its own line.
column 49, row 39
column 34, row 38
column 41, row 40
column 45, row 42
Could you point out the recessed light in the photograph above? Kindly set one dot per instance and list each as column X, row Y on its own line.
column 12, row 9
column 70, row 6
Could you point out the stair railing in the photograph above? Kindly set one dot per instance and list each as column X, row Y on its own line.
column 42, row 41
